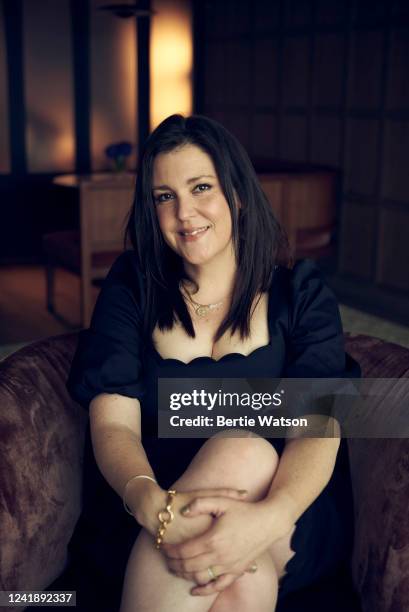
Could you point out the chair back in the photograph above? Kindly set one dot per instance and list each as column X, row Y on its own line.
column 305, row 204
column 105, row 204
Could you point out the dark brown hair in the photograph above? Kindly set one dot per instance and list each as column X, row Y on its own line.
column 258, row 239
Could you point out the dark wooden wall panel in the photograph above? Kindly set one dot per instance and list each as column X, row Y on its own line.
column 361, row 156
column 365, row 70
column 395, row 184
column 324, row 81
column 359, row 235
column 328, row 67
column 393, row 253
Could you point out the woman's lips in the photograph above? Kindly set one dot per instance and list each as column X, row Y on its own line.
column 194, row 234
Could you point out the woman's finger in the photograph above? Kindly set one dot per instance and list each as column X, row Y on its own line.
column 215, row 506
column 198, row 578
column 202, row 576
column 188, row 566
column 221, row 492
column 200, row 545
column 215, row 586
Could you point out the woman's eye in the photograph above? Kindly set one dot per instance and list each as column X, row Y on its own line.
column 203, row 187
column 162, row 197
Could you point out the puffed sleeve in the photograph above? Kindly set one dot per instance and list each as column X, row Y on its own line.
column 316, row 339
column 316, row 346
column 108, row 355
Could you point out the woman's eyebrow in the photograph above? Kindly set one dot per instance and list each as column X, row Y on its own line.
column 191, row 180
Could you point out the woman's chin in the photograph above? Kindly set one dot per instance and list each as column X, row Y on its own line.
column 196, row 259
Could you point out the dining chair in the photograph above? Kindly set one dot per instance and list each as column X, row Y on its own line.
column 104, row 202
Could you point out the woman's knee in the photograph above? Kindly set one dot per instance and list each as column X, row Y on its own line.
column 230, row 459
column 250, row 453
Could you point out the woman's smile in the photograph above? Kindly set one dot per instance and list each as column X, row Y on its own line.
column 194, row 235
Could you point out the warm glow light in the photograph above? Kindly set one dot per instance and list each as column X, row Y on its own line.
column 64, row 148
column 113, row 84
column 48, row 86
column 171, row 59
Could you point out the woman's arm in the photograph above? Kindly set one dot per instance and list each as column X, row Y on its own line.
column 305, row 468
column 115, row 422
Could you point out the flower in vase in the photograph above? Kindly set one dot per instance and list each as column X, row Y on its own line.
column 118, row 152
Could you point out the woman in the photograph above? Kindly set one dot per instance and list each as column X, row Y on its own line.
column 205, row 292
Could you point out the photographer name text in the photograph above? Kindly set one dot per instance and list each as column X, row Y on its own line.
column 242, row 421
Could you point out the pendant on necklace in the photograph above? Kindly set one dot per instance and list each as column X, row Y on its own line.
column 202, row 311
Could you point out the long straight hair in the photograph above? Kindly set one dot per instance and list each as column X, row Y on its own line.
column 259, row 242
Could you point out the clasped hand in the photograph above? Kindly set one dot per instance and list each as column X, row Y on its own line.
column 237, row 533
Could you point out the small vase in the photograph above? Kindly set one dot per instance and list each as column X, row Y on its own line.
column 120, row 163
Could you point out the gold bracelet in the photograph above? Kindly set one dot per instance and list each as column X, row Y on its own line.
column 130, row 480
column 165, row 517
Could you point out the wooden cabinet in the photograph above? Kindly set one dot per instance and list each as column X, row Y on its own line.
column 305, row 204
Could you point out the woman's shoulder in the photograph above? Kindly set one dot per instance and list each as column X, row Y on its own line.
column 302, row 278
column 299, row 274
column 301, row 289
column 123, row 288
column 126, row 274
column 125, row 269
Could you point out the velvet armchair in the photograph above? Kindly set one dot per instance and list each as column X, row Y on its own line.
column 42, row 435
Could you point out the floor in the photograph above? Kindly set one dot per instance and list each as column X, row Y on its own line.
column 24, row 317
column 23, row 314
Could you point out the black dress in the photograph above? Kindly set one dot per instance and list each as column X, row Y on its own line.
column 306, row 340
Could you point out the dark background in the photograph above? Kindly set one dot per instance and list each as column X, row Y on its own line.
column 308, row 81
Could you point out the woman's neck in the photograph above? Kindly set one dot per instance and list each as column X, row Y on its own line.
column 215, row 280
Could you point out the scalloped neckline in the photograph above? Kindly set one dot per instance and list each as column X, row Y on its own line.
column 225, row 357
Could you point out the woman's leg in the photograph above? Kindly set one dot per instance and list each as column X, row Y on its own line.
column 242, row 463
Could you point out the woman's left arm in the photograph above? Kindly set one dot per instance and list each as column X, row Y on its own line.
column 305, row 467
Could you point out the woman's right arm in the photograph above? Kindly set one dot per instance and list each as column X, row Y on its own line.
column 115, row 423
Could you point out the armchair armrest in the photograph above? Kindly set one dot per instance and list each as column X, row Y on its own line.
column 42, row 436
column 380, row 482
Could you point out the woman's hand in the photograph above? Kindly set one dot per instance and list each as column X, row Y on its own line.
column 146, row 499
column 184, row 527
column 239, row 533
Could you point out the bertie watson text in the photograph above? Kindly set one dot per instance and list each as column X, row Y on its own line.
column 264, row 420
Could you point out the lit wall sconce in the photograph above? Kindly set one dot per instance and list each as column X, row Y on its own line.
column 171, row 60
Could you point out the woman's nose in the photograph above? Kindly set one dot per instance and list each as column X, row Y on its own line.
column 185, row 207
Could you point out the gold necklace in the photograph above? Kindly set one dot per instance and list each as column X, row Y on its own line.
column 202, row 309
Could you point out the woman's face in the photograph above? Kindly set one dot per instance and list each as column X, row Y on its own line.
column 193, row 213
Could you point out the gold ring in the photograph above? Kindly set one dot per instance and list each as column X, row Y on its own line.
column 252, row 569
column 211, row 573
